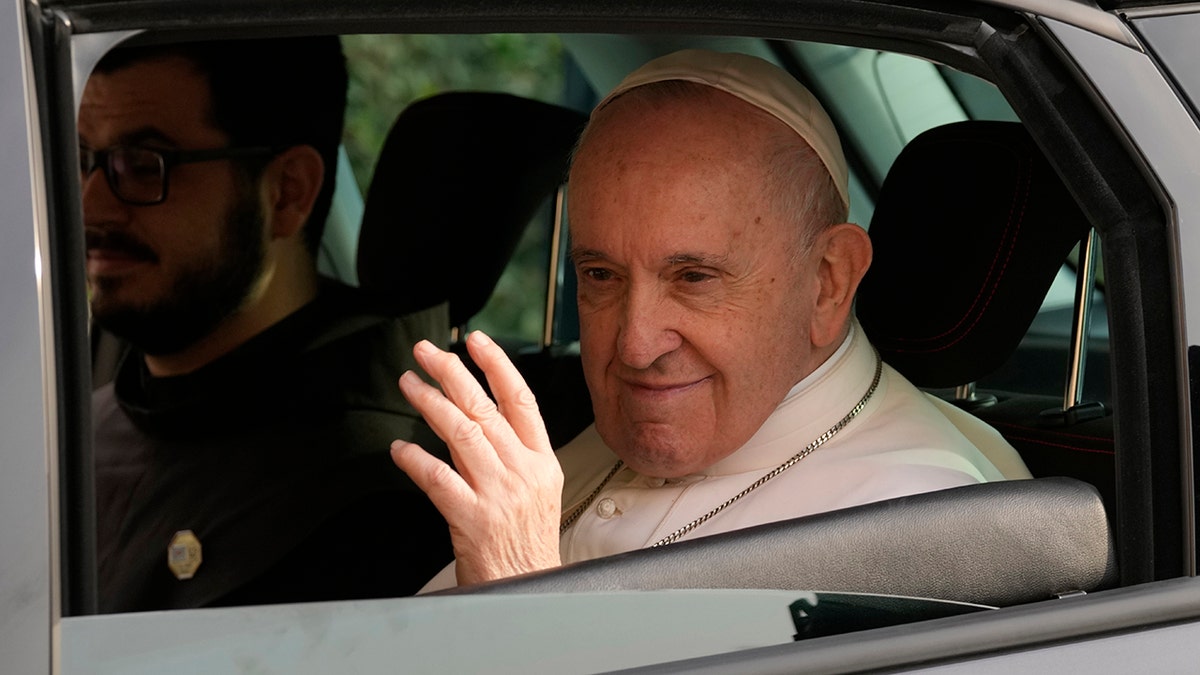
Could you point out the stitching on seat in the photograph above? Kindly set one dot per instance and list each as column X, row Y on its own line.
column 989, row 285
column 1038, row 441
column 1022, row 427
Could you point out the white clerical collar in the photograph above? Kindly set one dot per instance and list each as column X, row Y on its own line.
column 825, row 366
column 810, row 408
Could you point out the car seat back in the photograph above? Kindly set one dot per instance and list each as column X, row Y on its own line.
column 459, row 178
column 971, row 226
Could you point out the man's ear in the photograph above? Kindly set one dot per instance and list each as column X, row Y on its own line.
column 845, row 252
column 292, row 182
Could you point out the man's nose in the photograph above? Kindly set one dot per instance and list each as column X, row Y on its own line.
column 647, row 328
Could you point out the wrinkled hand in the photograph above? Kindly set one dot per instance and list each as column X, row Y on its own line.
column 505, row 501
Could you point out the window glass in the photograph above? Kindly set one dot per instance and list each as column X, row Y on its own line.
column 388, row 72
column 1173, row 39
column 882, row 100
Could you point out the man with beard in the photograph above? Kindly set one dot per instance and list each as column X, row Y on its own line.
column 241, row 450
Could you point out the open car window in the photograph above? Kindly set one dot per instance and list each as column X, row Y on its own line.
column 881, row 101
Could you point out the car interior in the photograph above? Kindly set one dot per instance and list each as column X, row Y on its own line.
column 983, row 292
column 397, row 229
column 972, row 229
column 945, row 305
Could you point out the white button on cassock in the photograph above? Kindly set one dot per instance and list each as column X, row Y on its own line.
column 606, row 508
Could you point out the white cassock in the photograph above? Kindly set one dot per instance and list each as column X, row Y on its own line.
column 902, row 442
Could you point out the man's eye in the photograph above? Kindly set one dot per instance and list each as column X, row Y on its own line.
column 141, row 165
column 597, row 274
column 136, row 164
column 695, row 276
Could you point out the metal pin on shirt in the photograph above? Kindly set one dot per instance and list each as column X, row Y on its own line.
column 184, row 555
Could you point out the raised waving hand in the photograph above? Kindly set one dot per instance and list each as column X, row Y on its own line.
column 504, row 502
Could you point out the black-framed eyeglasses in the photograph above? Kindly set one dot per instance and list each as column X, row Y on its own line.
column 138, row 176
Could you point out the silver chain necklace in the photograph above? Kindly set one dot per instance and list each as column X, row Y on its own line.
column 808, row 450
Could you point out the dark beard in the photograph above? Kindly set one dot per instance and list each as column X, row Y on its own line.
column 200, row 298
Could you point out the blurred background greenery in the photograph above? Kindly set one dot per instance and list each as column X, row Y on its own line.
column 387, row 72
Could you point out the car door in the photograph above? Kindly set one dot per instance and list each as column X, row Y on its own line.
column 1095, row 88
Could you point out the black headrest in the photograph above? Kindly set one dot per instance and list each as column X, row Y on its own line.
column 971, row 226
column 460, row 176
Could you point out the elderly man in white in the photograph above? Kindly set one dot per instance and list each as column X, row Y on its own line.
column 731, row 385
